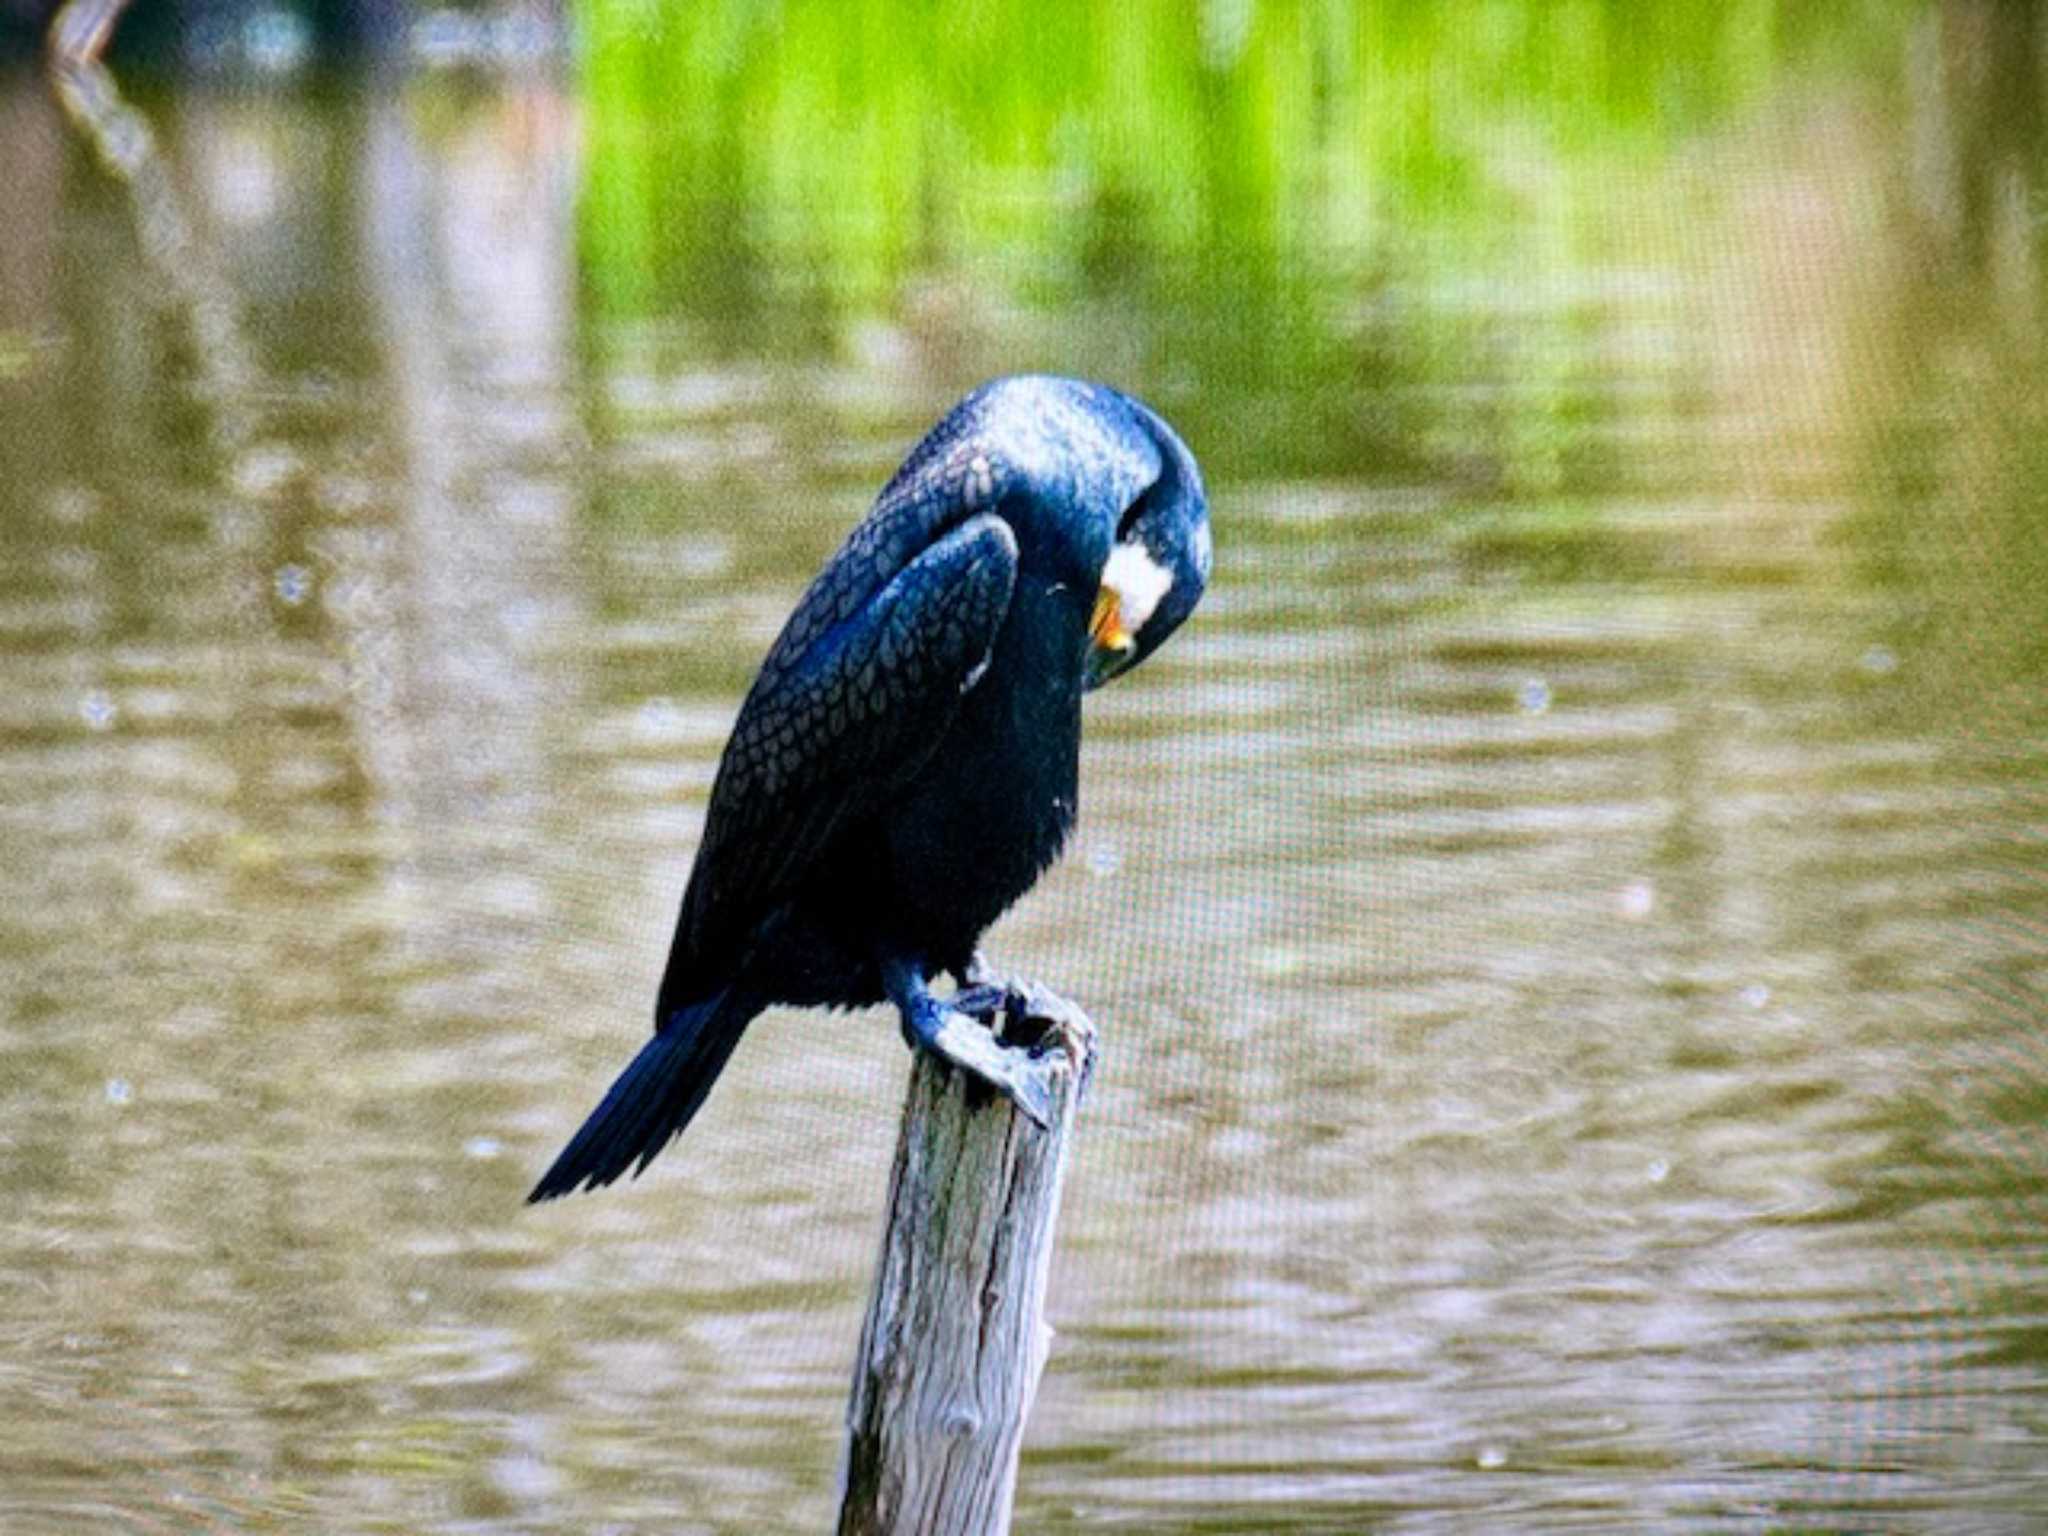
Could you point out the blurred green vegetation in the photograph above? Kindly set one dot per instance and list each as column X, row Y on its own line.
column 1235, row 191
column 881, row 138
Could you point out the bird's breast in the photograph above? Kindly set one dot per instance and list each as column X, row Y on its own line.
column 994, row 805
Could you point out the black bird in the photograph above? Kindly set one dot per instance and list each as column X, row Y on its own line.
column 906, row 763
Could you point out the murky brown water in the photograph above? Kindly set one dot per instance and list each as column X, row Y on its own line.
column 1567, row 918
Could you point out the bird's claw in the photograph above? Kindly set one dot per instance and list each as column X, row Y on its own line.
column 1060, row 1026
column 992, row 991
column 1015, row 1037
column 1021, row 1075
column 1001, row 1009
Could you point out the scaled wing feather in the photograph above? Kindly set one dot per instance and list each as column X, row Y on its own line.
column 824, row 737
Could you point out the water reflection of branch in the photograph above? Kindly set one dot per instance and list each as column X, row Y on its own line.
column 121, row 138
column 79, row 33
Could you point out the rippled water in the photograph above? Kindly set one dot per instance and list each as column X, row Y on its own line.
column 1567, row 919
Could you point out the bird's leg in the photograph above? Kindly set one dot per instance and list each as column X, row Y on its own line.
column 954, row 1035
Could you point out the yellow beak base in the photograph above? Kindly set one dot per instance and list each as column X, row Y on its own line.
column 1105, row 625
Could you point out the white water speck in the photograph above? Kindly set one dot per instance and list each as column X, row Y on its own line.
column 292, row 583
column 262, row 471
column 73, row 504
column 1756, row 994
column 1658, row 1171
column 482, row 1148
column 659, row 719
column 525, row 1477
column 1491, row 1458
column 703, row 557
column 98, row 711
column 1533, row 696
column 1104, row 860
column 119, row 1090
column 1636, row 900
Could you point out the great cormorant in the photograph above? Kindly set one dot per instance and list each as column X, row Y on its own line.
column 907, row 761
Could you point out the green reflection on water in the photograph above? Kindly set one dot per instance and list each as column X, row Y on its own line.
column 1294, row 223
column 880, row 141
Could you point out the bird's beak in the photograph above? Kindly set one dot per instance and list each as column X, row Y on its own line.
column 1106, row 624
column 1111, row 645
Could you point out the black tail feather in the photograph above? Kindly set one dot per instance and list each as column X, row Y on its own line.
column 652, row 1100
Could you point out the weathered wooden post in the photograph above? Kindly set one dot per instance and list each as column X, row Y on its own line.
column 955, row 1338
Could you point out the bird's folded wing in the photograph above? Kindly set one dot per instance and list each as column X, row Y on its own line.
column 828, row 733
column 947, row 479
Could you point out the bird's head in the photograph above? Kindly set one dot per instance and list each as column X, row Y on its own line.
column 1158, row 564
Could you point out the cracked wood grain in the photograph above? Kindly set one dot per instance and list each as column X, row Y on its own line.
column 955, row 1337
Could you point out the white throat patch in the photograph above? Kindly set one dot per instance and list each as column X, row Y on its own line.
column 1138, row 581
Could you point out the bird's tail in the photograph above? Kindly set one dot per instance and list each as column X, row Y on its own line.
column 653, row 1099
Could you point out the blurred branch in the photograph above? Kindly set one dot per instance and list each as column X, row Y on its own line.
column 121, row 138
column 79, row 34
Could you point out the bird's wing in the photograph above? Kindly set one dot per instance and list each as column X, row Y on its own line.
column 945, row 480
column 834, row 723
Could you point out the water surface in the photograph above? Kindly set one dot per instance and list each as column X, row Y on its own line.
column 1566, row 919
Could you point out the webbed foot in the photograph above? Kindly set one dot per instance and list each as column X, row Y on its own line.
column 1021, row 1074
column 1011, row 1035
